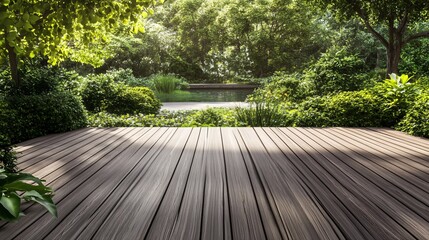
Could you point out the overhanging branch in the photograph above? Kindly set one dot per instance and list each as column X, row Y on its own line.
column 377, row 35
column 416, row 36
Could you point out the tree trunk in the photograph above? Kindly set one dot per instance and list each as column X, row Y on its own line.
column 394, row 56
column 13, row 64
column 394, row 47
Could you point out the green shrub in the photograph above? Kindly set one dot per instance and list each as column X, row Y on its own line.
column 7, row 155
column 216, row 117
column 104, row 119
column 36, row 79
column 133, row 100
column 37, row 115
column 262, row 115
column 346, row 109
column 167, row 83
column 96, row 90
column 416, row 120
column 283, row 87
column 397, row 94
column 102, row 93
column 338, row 70
column 212, row 117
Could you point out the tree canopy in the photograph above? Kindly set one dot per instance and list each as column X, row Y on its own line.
column 58, row 29
column 397, row 16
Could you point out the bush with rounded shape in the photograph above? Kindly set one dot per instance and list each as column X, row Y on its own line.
column 96, row 90
column 283, row 87
column 346, row 109
column 102, row 93
column 338, row 70
column 133, row 100
column 416, row 121
column 38, row 115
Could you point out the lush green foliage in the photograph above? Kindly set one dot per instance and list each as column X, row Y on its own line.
column 106, row 92
column 346, row 109
column 209, row 117
column 416, row 120
column 283, row 88
column 7, row 155
column 397, row 95
column 14, row 187
column 60, row 29
column 216, row 41
column 37, row 115
column 415, row 59
column 133, row 100
column 338, row 70
column 167, row 83
column 391, row 22
column 37, row 78
column 262, row 115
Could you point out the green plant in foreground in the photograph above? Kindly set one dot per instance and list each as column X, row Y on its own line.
column 15, row 187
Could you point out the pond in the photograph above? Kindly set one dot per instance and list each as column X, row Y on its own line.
column 206, row 95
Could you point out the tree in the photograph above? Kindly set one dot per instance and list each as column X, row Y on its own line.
column 397, row 16
column 58, row 29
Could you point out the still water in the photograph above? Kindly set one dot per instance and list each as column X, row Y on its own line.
column 206, row 95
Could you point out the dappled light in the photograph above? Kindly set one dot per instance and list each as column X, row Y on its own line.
column 250, row 183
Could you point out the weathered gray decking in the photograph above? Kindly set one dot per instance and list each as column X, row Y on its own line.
column 228, row 183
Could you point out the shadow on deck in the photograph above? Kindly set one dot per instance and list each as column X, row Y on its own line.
column 228, row 183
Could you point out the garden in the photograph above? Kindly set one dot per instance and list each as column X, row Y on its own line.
column 112, row 64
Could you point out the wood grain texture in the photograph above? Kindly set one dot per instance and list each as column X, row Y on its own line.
column 228, row 183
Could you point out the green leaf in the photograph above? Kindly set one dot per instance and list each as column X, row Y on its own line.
column 5, row 214
column 22, row 186
column 47, row 204
column 34, row 18
column 12, row 203
column 32, row 55
column 12, row 177
column 31, row 194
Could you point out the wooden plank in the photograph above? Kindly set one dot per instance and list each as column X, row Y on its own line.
column 268, row 215
column 415, row 170
column 35, row 143
column 319, row 219
column 356, row 203
column 245, row 218
column 215, row 221
column 104, row 198
column 228, row 183
column 414, row 156
column 188, row 221
column 168, row 211
column 376, row 187
column 56, row 179
column 403, row 138
column 82, row 185
column 286, row 191
column 137, row 208
column 326, row 193
column 352, row 160
column 61, row 148
column 381, row 165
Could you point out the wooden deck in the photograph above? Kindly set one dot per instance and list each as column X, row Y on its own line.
column 228, row 183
